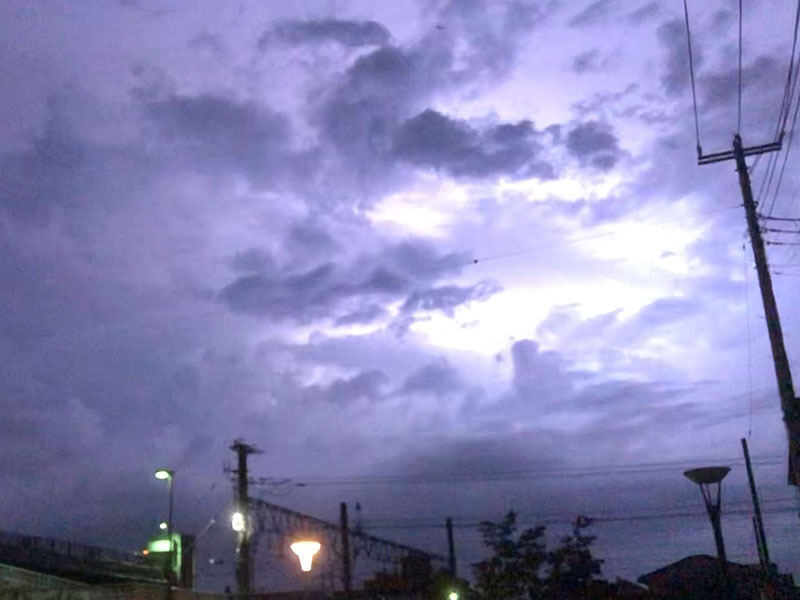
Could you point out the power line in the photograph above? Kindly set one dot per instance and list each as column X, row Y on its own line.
column 791, row 83
column 516, row 474
column 691, row 72
column 739, row 120
column 540, row 247
column 785, row 156
column 771, row 218
column 550, row 520
column 777, row 230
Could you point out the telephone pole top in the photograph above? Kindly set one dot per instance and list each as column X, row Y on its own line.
column 790, row 404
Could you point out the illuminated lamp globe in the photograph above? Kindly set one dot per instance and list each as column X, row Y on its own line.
column 163, row 474
column 237, row 521
column 305, row 551
column 452, row 596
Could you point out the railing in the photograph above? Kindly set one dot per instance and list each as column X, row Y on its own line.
column 67, row 548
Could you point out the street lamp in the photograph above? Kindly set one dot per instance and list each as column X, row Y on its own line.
column 452, row 596
column 305, row 551
column 237, row 522
column 706, row 478
column 169, row 476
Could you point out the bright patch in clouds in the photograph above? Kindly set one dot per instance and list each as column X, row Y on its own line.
column 429, row 210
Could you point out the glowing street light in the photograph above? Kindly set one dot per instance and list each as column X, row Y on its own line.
column 305, row 551
column 164, row 474
column 452, row 596
column 237, row 521
column 162, row 526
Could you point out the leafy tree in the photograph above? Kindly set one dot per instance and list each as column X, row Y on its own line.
column 513, row 572
column 572, row 566
column 521, row 567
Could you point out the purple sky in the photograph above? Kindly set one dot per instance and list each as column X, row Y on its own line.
column 261, row 220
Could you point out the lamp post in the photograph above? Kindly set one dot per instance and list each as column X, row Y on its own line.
column 707, row 478
column 169, row 476
column 305, row 551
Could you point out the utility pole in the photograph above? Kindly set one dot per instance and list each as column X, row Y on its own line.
column 244, row 573
column 344, row 531
column 761, row 538
column 790, row 404
column 451, row 547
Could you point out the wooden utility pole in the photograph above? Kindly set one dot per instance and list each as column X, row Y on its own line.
column 244, row 575
column 761, row 538
column 451, row 547
column 344, row 532
column 790, row 404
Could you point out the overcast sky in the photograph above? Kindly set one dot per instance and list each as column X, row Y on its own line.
column 387, row 238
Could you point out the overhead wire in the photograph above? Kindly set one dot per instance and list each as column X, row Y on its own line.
column 783, row 115
column 772, row 243
column 786, row 154
column 527, row 249
column 739, row 118
column 791, row 82
column 551, row 520
column 691, row 73
column 778, row 230
column 749, row 339
column 514, row 474
column 786, row 219
column 786, row 106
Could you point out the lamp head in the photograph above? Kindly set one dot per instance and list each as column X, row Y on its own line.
column 452, row 596
column 237, row 521
column 164, row 474
column 706, row 475
column 305, row 551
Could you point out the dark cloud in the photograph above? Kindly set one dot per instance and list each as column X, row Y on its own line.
column 594, row 143
column 447, row 298
column 720, row 88
column 387, row 86
column 722, row 19
column 366, row 314
column 347, row 33
column 213, row 44
column 643, row 13
column 593, row 13
column 324, row 290
column 675, row 75
column 436, row 378
column 215, row 132
column 435, row 140
column 60, row 172
column 538, row 376
column 41, row 178
column 666, row 311
column 586, row 61
column 376, row 90
column 367, row 385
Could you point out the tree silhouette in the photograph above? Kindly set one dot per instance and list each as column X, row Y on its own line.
column 521, row 567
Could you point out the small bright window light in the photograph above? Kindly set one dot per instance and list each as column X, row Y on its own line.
column 162, row 525
column 305, row 552
column 237, row 521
